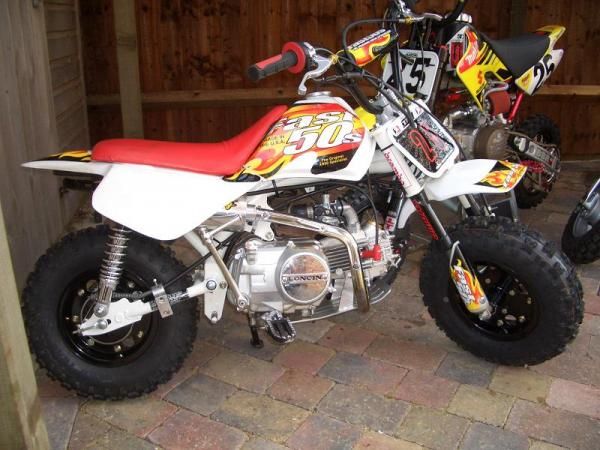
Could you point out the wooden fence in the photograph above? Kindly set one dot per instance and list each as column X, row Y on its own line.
column 39, row 77
column 193, row 55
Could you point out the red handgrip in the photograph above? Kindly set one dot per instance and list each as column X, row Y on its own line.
column 300, row 54
column 293, row 57
column 268, row 61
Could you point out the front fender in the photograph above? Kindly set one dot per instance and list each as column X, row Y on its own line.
column 476, row 176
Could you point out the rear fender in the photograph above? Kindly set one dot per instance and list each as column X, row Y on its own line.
column 76, row 161
column 476, row 176
column 535, row 77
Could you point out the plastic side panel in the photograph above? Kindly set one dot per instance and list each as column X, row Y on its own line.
column 354, row 170
column 477, row 176
column 96, row 168
column 535, row 77
column 163, row 204
column 479, row 60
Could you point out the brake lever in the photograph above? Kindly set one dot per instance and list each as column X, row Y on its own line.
column 323, row 64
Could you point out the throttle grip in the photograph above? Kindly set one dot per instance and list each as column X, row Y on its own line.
column 292, row 58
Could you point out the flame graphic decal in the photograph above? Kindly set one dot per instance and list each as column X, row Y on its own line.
column 325, row 129
column 505, row 176
column 71, row 155
column 468, row 287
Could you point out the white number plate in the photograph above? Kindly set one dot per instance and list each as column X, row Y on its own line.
column 419, row 76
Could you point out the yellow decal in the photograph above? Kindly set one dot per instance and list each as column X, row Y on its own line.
column 478, row 61
column 504, row 176
column 367, row 118
column 71, row 155
column 370, row 47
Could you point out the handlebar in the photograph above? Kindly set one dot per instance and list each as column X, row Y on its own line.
column 294, row 56
column 460, row 7
column 406, row 8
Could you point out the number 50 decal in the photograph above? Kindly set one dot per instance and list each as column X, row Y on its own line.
column 322, row 136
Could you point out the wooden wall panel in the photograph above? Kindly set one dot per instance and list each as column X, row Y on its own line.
column 34, row 212
column 64, row 56
column 208, row 44
column 578, row 117
column 100, row 65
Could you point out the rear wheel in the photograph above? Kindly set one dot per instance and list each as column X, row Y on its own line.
column 535, row 295
column 127, row 362
column 537, row 183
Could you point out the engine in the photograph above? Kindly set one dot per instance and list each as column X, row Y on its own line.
column 309, row 277
column 476, row 135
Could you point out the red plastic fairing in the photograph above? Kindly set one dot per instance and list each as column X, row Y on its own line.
column 222, row 158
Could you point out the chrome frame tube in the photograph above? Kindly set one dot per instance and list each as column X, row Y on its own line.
column 203, row 239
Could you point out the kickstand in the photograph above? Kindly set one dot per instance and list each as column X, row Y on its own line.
column 256, row 341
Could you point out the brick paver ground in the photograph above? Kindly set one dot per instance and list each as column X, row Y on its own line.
column 385, row 380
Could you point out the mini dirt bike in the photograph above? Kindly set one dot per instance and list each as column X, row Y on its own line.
column 581, row 237
column 477, row 84
column 111, row 313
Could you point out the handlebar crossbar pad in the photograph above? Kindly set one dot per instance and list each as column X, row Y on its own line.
column 292, row 58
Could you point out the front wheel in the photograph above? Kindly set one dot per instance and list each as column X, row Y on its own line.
column 534, row 291
column 127, row 362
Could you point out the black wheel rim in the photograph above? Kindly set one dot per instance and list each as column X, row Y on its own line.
column 119, row 347
column 515, row 313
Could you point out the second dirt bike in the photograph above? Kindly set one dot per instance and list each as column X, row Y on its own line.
column 477, row 85
column 111, row 313
column 581, row 236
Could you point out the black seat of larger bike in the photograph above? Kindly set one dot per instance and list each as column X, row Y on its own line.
column 520, row 53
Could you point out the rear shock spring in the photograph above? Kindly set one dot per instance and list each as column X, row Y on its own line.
column 112, row 267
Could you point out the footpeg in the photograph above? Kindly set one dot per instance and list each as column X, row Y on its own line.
column 279, row 327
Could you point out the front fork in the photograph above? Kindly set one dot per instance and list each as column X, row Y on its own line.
column 462, row 272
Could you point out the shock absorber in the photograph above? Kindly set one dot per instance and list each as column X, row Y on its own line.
column 112, row 267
